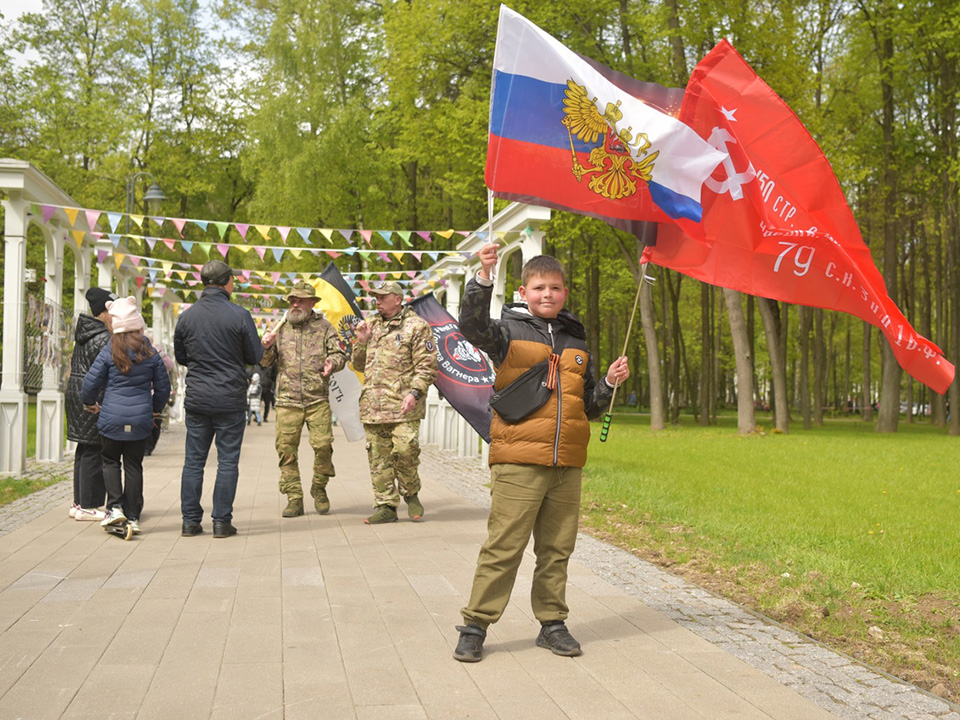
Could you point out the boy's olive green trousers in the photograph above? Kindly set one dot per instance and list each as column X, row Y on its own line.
column 527, row 500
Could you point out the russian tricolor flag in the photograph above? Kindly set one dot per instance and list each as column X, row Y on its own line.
column 531, row 154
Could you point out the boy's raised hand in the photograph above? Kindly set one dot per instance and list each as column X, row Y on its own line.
column 618, row 372
column 488, row 259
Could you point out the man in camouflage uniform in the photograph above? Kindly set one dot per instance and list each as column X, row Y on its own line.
column 395, row 352
column 306, row 350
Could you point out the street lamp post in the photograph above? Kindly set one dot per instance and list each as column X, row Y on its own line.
column 154, row 193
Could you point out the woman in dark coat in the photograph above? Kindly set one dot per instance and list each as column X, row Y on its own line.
column 91, row 335
column 137, row 389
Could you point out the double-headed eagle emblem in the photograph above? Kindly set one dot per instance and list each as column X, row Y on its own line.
column 620, row 159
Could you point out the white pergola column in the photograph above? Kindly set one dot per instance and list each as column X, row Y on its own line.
column 13, row 400
column 50, row 397
column 105, row 269
column 82, row 262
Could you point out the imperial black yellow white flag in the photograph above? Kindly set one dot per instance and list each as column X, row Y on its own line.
column 339, row 305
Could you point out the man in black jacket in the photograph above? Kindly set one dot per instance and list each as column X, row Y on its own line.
column 215, row 340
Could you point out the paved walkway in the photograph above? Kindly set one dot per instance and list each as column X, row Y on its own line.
column 324, row 617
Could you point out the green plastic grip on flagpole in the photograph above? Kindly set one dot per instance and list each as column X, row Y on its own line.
column 605, row 428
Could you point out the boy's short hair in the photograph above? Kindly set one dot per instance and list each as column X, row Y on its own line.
column 542, row 265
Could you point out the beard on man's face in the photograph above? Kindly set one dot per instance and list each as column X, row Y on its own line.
column 298, row 315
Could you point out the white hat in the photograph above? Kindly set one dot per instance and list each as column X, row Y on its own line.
column 124, row 315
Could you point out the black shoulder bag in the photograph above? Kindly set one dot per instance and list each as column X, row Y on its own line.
column 530, row 391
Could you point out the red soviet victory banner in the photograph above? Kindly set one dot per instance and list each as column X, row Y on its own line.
column 775, row 220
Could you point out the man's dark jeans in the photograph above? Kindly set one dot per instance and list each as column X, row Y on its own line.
column 202, row 429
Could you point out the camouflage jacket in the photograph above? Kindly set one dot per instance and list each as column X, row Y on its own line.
column 300, row 353
column 399, row 357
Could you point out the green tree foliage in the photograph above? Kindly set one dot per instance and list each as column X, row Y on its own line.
column 357, row 114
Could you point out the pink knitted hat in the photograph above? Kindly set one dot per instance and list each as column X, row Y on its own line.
column 125, row 316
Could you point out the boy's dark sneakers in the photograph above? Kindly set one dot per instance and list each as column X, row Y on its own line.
column 470, row 645
column 190, row 529
column 558, row 640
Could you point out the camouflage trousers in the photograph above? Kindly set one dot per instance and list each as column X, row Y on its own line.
column 290, row 422
column 393, row 451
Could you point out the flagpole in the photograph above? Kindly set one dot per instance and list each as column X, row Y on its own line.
column 608, row 416
column 490, row 238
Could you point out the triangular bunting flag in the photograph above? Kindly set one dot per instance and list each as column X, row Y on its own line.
column 221, row 228
column 326, row 233
column 202, row 224
column 115, row 239
column 150, row 241
column 445, row 234
column 223, row 248
column 261, row 251
column 169, row 242
column 102, row 255
column 263, row 230
column 78, row 237
column 71, row 215
column 206, row 248
column 114, row 220
column 138, row 220
column 118, row 259
column 178, row 223
column 333, row 253
column 425, row 234
column 48, row 212
column 242, row 229
column 296, row 252
column 398, row 256
column 384, row 257
column 284, row 231
column 92, row 217
column 187, row 246
column 366, row 235
column 243, row 248
column 305, row 234
column 405, row 236
column 346, row 234
column 385, row 234
column 418, row 255
column 278, row 252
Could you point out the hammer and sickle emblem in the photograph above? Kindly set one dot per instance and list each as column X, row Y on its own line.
column 719, row 137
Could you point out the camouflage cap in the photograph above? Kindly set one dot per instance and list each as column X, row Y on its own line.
column 303, row 289
column 384, row 287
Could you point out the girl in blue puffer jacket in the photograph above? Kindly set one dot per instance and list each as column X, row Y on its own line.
column 137, row 389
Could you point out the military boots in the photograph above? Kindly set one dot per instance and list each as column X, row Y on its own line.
column 294, row 507
column 384, row 514
column 321, row 501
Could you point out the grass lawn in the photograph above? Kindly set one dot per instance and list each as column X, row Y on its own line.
column 839, row 532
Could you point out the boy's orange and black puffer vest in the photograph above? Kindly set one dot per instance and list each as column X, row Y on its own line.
column 558, row 432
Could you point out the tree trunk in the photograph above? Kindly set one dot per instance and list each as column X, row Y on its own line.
column 866, row 403
column 706, row 363
column 746, row 415
column 819, row 366
column 778, row 363
column 889, row 416
column 648, row 320
column 804, row 383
